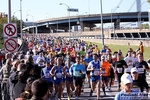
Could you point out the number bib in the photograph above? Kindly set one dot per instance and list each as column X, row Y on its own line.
column 96, row 72
column 140, row 70
column 136, row 89
column 47, row 75
column 59, row 75
column 119, row 70
column 41, row 64
column 77, row 73
column 104, row 71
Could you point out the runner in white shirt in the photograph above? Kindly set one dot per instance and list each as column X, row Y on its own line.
column 129, row 60
column 134, row 56
column 35, row 56
column 40, row 60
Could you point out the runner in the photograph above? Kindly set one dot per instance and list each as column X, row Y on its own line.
column 78, row 71
column 141, row 65
column 120, row 66
column 94, row 67
column 126, row 85
column 105, row 68
column 69, row 78
column 138, row 84
column 129, row 61
column 57, row 73
column 87, row 60
column 45, row 74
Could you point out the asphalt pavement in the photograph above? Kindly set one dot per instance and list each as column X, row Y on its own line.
column 110, row 95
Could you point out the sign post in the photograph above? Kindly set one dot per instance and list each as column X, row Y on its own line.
column 10, row 37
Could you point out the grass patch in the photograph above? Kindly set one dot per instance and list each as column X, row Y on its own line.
column 124, row 49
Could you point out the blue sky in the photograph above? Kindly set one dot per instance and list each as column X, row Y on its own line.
column 42, row 9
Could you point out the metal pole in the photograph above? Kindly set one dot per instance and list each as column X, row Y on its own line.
column 57, row 26
column 102, row 31
column 69, row 24
column 33, row 24
column 21, row 20
column 9, row 11
column 36, row 29
column 111, row 22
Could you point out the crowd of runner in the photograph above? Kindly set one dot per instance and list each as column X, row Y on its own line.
column 54, row 63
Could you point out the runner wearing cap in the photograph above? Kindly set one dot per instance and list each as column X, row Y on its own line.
column 126, row 85
column 138, row 84
column 94, row 67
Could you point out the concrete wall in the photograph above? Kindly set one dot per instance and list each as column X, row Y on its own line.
column 146, row 43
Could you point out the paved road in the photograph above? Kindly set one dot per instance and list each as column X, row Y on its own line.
column 85, row 94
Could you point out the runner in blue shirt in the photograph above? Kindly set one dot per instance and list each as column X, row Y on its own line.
column 94, row 67
column 46, row 75
column 58, row 71
column 87, row 60
column 78, row 71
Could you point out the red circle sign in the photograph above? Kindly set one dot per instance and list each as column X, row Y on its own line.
column 10, row 45
column 10, row 29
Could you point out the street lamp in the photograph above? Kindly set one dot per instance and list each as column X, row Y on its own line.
column 68, row 15
column 27, row 13
column 32, row 22
column 102, row 30
column 15, row 13
column 112, row 11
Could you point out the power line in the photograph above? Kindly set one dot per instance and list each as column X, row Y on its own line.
column 132, row 6
column 120, row 2
column 118, row 5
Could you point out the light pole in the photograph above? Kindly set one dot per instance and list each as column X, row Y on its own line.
column 102, row 30
column 57, row 26
column 9, row 11
column 21, row 20
column 112, row 11
column 68, row 15
column 32, row 22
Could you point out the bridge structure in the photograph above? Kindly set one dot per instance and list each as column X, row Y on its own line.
column 61, row 23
